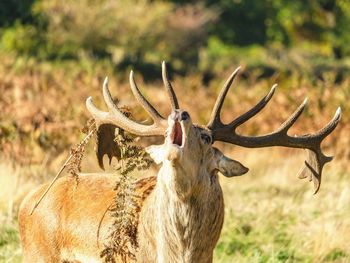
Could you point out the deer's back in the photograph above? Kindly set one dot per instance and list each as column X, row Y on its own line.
column 70, row 223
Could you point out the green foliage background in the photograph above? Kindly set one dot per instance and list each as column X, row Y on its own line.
column 206, row 36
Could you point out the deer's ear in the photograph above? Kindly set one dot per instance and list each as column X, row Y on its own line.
column 156, row 152
column 227, row 166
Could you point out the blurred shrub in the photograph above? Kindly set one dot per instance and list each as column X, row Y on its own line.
column 127, row 31
column 308, row 37
column 266, row 62
column 218, row 56
column 341, row 37
column 323, row 24
column 23, row 39
column 246, row 22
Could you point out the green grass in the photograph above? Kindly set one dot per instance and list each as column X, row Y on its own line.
column 245, row 241
column 9, row 243
column 273, row 217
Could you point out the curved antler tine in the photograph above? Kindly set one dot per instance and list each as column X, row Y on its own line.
column 169, row 88
column 293, row 118
column 325, row 131
column 116, row 117
column 142, row 100
column 312, row 174
column 102, row 117
column 316, row 159
column 255, row 110
column 215, row 114
column 108, row 97
column 96, row 113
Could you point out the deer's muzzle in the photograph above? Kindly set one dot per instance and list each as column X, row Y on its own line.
column 178, row 134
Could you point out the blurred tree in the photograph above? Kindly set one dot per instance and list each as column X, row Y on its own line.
column 187, row 33
column 341, row 37
column 15, row 10
column 241, row 22
column 246, row 22
column 126, row 31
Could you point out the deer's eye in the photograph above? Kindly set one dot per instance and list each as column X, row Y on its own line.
column 206, row 138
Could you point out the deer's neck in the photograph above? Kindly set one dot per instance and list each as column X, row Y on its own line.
column 182, row 226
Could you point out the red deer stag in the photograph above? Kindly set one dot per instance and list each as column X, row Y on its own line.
column 181, row 218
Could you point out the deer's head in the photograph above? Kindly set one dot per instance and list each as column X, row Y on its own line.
column 188, row 147
column 188, row 151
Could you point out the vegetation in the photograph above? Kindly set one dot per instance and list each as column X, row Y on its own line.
column 275, row 35
column 54, row 55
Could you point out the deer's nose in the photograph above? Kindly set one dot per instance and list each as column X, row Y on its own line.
column 179, row 115
column 184, row 115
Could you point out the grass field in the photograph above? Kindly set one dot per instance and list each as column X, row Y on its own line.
column 271, row 216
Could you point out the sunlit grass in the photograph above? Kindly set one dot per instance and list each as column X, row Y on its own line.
column 14, row 184
column 9, row 243
column 271, row 216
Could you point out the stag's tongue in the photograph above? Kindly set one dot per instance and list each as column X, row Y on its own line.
column 177, row 134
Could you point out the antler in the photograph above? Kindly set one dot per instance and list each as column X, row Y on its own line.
column 107, row 122
column 116, row 117
column 169, row 88
column 312, row 142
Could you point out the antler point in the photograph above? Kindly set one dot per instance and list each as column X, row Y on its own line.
column 329, row 158
column 236, row 70
column 338, row 113
column 89, row 100
column 271, row 92
column 90, row 106
column 105, row 82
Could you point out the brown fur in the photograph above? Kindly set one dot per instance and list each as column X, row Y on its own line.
column 191, row 228
column 56, row 231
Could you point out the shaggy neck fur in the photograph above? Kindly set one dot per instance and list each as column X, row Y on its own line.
column 188, row 211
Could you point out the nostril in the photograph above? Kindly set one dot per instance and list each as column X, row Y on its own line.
column 184, row 115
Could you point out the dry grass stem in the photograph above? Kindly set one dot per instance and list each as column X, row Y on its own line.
column 72, row 156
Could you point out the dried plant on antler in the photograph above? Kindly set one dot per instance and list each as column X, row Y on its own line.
column 73, row 162
column 123, row 240
column 77, row 152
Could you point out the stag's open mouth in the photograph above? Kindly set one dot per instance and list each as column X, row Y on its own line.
column 177, row 135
